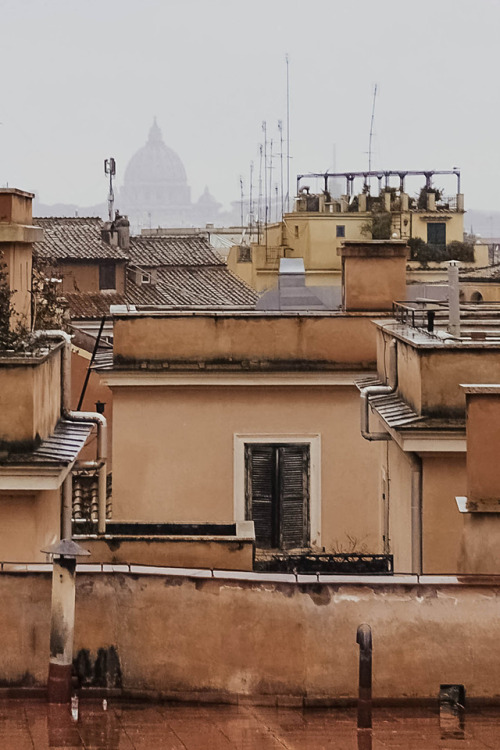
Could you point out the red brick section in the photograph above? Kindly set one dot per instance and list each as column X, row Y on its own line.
column 29, row 725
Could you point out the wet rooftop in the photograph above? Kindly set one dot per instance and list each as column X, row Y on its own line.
column 35, row 725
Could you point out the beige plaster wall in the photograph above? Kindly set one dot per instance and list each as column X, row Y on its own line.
column 444, row 477
column 225, row 639
column 17, row 258
column 373, row 283
column 172, row 551
column 29, row 399
column 96, row 391
column 483, row 448
column 442, row 372
column 84, row 277
column 341, row 339
column 399, row 499
column 28, row 522
column 173, row 453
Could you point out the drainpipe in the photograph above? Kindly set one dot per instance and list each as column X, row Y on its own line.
column 379, row 390
column 78, row 416
column 454, row 299
column 416, row 512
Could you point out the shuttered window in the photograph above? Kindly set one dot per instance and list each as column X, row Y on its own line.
column 436, row 234
column 277, row 494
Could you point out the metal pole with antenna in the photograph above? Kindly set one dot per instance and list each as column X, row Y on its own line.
column 371, row 133
column 259, row 223
column 271, row 180
column 264, row 128
column 250, row 213
column 287, row 135
column 241, row 201
column 110, row 168
column 280, row 128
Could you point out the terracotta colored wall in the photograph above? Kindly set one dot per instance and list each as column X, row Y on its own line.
column 444, row 478
column 173, row 453
column 483, row 448
column 28, row 522
column 30, row 399
column 96, row 391
column 234, row 638
column 373, row 283
column 399, row 498
column 443, row 371
column 331, row 338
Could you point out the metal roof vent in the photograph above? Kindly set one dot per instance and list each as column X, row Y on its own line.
column 293, row 294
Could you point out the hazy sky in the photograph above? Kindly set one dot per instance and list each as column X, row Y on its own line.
column 82, row 81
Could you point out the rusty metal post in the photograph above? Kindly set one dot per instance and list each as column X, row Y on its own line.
column 62, row 621
column 364, row 640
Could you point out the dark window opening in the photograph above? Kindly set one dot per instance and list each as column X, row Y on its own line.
column 436, row 234
column 277, row 494
column 107, row 276
column 340, row 230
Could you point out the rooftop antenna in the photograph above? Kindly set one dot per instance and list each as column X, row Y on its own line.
column 110, row 168
column 287, row 135
column 259, row 220
column 280, row 128
column 371, row 133
column 250, row 213
column 241, row 201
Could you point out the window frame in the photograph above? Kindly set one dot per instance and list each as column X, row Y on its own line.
column 105, row 270
column 313, row 440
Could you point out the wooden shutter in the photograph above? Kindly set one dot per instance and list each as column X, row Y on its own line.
column 294, row 496
column 260, row 461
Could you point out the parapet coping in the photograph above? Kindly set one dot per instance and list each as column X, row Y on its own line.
column 257, row 577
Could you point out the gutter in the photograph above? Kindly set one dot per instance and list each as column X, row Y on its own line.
column 78, row 416
column 413, row 458
column 379, row 390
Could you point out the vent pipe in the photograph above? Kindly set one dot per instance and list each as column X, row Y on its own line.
column 453, row 299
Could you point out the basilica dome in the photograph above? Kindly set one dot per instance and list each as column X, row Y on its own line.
column 155, row 164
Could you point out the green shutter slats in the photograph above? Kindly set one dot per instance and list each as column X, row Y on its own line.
column 261, row 469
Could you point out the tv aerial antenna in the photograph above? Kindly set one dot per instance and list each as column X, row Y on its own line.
column 110, row 168
column 371, row 131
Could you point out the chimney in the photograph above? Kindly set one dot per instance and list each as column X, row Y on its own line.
column 453, row 299
column 122, row 227
column 373, row 274
column 17, row 235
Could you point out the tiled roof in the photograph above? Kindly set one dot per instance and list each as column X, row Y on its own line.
column 91, row 305
column 62, row 447
column 487, row 273
column 75, row 238
column 196, row 285
column 173, row 250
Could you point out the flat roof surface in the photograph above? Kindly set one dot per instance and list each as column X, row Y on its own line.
column 137, row 726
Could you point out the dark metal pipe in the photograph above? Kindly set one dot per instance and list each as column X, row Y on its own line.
column 364, row 640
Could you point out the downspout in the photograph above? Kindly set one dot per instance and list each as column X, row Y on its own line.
column 78, row 416
column 379, row 390
column 416, row 512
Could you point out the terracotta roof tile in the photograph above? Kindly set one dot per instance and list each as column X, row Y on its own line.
column 75, row 238
column 173, row 250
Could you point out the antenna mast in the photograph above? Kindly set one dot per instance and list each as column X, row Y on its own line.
column 250, row 220
column 110, row 168
column 241, row 201
column 280, row 128
column 287, row 136
column 371, row 132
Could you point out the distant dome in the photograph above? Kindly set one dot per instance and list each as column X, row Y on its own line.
column 155, row 164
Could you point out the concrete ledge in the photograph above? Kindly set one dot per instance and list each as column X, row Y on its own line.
column 264, row 577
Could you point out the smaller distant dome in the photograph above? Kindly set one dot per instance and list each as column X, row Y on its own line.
column 155, row 164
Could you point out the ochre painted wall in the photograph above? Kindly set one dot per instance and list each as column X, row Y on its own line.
column 336, row 338
column 221, row 638
column 29, row 521
column 173, row 453
column 30, row 398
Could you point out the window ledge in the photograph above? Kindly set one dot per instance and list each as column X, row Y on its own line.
column 487, row 507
